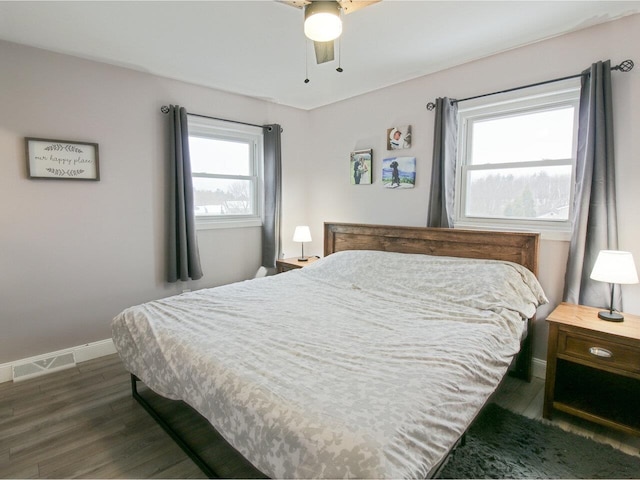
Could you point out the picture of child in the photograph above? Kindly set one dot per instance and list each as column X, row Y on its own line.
column 399, row 137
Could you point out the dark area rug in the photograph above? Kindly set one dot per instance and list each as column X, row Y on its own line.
column 502, row 444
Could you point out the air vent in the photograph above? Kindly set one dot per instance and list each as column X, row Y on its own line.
column 43, row 366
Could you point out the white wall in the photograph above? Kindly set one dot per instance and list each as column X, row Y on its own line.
column 74, row 254
column 361, row 122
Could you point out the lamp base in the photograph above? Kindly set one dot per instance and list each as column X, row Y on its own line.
column 610, row 316
column 303, row 259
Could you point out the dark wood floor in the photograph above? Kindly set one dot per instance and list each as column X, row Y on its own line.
column 83, row 423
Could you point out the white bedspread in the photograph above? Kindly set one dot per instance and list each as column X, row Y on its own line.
column 363, row 364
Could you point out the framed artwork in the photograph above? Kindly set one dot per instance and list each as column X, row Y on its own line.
column 360, row 167
column 399, row 138
column 62, row 159
column 399, row 172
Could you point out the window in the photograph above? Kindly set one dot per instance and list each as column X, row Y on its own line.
column 226, row 168
column 516, row 161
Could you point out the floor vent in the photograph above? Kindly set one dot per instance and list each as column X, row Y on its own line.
column 43, row 366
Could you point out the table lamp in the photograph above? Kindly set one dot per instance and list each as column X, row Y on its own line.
column 614, row 266
column 302, row 234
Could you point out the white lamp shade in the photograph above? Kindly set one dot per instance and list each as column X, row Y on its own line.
column 302, row 233
column 615, row 266
column 322, row 21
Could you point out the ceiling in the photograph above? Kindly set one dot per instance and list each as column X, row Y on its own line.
column 258, row 48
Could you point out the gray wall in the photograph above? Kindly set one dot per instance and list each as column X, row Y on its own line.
column 74, row 254
column 361, row 122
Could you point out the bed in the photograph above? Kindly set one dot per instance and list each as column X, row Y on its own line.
column 372, row 362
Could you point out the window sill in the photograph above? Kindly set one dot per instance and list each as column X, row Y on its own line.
column 545, row 233
column 208, row 224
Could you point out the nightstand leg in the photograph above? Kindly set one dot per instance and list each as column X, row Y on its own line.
column 552, row 363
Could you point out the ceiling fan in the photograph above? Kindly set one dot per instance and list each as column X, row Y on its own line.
column 322, row 22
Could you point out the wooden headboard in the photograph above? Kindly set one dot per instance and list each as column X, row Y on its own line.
column 519, row 248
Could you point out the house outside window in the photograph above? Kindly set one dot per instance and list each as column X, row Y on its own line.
column 516, row 160
column 226, row 170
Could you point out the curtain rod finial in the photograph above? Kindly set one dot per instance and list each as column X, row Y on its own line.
column 431, row 106
column 164, row 109
column 625, row 66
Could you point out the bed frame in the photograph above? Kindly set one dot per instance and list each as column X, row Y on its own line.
column 521, row 248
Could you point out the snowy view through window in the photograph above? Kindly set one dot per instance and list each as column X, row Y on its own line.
column 222, row 176
column 520, row 166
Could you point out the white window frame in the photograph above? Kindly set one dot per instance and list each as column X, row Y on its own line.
column 217, row 129
column 546, row 97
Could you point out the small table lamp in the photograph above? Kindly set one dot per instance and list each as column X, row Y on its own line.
column 614, row 266
column 302, row 234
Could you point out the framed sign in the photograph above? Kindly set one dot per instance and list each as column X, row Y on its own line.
column 62, row 159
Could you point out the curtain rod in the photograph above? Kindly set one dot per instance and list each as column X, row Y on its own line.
column 164, row 109
column 625, row 66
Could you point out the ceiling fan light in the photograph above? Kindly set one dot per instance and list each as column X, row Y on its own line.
column 322, row 21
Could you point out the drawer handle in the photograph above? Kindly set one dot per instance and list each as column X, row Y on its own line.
column 600, row 352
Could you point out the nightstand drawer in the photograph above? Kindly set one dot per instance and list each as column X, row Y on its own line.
column 286, row 264
column 286, row 267
column 598, row 352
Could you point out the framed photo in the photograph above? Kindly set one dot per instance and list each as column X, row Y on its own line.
column 399, row 138
column 62, row 159
column 399, row 172
column 360, row 167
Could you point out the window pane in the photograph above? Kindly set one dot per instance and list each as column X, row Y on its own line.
column 215, row 196
column 541, row 193
column 543, row 135
column 223, row 157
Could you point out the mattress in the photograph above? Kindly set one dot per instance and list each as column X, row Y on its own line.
column 363, row 364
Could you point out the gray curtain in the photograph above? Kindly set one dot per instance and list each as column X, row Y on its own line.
column 271, row 240
column 594, row 209
column 183, row 255
column 443, row 173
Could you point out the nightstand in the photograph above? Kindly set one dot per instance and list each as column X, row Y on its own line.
column 593, row 367
column 287, row 264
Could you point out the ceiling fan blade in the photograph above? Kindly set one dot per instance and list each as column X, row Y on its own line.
column 349, row 6
column 325, row 51
column 295, row 3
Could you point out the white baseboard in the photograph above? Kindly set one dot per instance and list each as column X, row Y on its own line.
column 539, row 368
column 82, row 353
